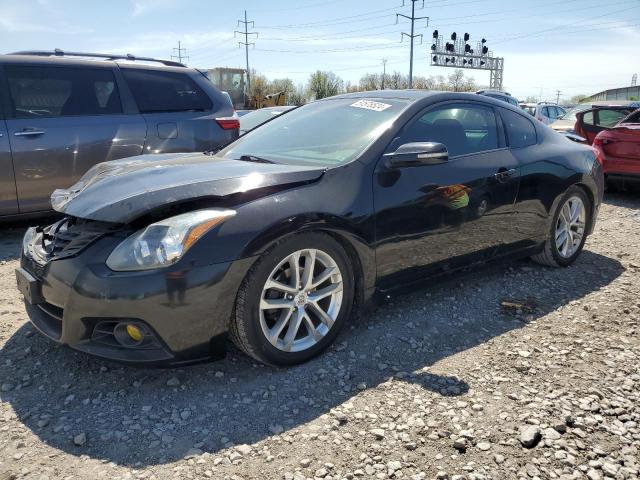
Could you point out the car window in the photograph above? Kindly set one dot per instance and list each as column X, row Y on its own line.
column 327, row 133
column 513, row 101
column 156, row 91
column 609, row 118
column 560, row 112
column 587, row 118
column 463, row 129
column 258, row 117
column 520, row 131
column 545, row 112
column 61, row 91
column 531, row 110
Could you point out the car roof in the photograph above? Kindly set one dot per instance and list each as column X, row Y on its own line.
column 16, row 59
column 399, row 94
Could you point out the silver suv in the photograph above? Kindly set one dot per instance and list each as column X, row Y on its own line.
column 62, row 112
column 545, row 112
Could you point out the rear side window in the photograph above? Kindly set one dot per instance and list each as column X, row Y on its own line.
column 165, row 91
column 608, row 118
column 61, row 91
column 520, row 131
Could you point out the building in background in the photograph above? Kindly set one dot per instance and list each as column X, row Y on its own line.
column 624, row 93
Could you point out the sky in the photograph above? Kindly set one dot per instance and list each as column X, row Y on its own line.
column 575, row 46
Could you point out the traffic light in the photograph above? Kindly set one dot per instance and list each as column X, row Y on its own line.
column 466, row 37
column 435, row 34
column 454, row 36
column 485, row 50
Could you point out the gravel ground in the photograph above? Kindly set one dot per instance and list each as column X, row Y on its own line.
column 440, row 383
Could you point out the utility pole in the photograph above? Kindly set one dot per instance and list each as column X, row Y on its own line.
column 180, row 56
column 558, row 92
column 246, row 44
column 413, row 19
column 384, row 71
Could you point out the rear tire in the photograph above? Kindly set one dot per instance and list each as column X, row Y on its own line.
column 285, row 315
column 568, row 230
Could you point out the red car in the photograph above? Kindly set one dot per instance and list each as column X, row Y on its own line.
column 618, row 149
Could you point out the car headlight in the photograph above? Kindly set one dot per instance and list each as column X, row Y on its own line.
column 163, row 243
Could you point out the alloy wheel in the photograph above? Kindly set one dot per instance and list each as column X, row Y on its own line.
column 570, row 227
column 301, row 300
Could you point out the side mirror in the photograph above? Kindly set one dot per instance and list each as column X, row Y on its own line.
column 416, row 154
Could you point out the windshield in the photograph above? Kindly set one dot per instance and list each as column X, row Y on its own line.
column 327, row 133
column 570, row 115
column 253, row 119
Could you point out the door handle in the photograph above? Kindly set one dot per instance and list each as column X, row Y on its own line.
column 503, row 174
column 28, row 133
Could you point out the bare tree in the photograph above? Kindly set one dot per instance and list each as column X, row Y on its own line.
column 297, row 96
column 370, row 81
column 459, row 83
column 324, row 84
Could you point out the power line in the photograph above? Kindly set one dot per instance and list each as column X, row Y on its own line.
column 411, row 36
column 337, row 20
column 246, row 47
column 180, row 56
column 577, row 22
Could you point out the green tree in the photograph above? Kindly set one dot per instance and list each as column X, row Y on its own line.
column 324, row 84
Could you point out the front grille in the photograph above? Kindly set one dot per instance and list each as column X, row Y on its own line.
column 68, row 237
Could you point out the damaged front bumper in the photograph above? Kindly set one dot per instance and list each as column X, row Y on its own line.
column 182, row 312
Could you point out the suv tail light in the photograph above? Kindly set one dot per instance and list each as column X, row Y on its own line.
column 228, row 123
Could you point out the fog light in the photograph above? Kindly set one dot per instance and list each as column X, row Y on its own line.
column 129, row 334
column 135, row 333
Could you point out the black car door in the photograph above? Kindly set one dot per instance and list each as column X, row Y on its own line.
column 442, row 216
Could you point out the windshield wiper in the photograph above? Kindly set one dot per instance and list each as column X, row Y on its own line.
column 255, row 159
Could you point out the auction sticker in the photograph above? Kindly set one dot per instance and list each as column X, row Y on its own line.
column 370, row 105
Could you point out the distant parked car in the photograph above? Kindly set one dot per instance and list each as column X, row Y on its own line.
column 567, row 123
column 499, row 95
column 591, row 122
column 254, row 118
column 544, row 112
column 61, row 113
column 619, row 149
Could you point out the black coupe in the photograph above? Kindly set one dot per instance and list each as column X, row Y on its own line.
column 279, row 238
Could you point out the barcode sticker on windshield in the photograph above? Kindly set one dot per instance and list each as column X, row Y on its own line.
column 370, row 105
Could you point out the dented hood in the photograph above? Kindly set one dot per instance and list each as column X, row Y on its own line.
column 122, row 190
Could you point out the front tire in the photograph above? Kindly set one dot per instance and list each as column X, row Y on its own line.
column 294, row 300
column 568, row 230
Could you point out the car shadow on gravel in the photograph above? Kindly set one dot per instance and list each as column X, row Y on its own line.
column 141, row 417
